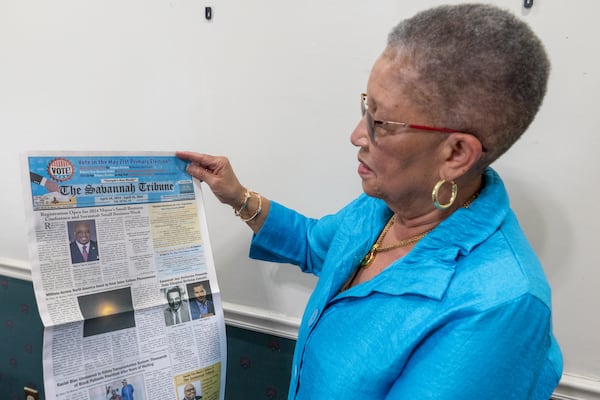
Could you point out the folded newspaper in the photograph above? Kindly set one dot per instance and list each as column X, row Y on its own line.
column 124, row 277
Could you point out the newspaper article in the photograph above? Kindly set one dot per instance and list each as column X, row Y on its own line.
column 124, row 278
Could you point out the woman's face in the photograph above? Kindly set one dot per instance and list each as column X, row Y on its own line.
column 402, row 166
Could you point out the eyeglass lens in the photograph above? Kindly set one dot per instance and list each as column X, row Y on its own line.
column 364, row 108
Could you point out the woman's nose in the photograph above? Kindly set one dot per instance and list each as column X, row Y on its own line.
column 359, row 136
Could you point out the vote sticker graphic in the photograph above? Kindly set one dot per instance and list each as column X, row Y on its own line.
column 61, row 169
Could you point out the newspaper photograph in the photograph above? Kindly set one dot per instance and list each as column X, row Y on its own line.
column 124, row 277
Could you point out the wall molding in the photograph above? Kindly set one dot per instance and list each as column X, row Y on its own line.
column 574, row 387
column 260, row 320
column 15, row 269
column 571, row 387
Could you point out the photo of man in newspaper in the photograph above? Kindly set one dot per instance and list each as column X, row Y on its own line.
column 189, row 391
column 127, row 390
column 201, row 304
column 178, row 310
column 84, row 245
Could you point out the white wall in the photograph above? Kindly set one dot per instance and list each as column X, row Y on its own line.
column 274, row 85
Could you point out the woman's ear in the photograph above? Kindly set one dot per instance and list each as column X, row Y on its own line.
column 462, row 152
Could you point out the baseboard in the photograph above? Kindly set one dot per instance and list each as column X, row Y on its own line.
column 15, row 269
column 571, row 387
column 260, row 320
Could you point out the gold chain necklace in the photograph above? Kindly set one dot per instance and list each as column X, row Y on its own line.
column 370, row 256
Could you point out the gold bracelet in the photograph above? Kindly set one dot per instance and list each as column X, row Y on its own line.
column 258, row 210
column 244, row 204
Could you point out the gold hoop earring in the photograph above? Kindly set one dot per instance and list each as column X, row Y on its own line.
column 436, row 192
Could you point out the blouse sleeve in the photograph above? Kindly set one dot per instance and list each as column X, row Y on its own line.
column 290, row 237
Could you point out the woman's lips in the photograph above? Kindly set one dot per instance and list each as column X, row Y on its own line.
column 363, row 170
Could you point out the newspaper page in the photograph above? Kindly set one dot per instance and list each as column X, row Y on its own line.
column 124, row 278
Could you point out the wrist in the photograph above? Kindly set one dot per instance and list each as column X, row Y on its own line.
column 243, row 204
column 250, row 208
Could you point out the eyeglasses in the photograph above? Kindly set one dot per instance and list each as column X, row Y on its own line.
column 373, row 124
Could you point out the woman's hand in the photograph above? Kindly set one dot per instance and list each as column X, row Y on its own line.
column 216, row 171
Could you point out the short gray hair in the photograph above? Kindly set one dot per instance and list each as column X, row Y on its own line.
column 480, row 70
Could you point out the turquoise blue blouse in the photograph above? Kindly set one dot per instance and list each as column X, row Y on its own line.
column 465, row 315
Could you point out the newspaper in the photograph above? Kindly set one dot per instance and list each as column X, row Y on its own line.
column 124, row 277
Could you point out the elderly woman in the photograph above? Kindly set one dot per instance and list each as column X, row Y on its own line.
column 428, row 288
